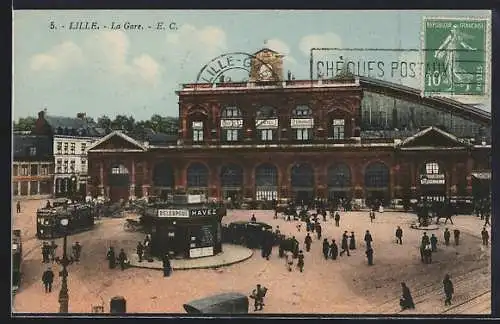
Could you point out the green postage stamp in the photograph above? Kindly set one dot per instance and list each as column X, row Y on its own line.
column 455, row 56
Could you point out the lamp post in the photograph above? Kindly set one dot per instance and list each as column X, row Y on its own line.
column 65, row 261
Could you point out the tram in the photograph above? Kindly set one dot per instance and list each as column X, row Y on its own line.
column 48, row 225
column 17, row 258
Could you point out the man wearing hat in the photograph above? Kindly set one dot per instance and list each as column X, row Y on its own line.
column 48, row 279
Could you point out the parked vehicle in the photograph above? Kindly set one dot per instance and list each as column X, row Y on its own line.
column 227, row 303
column 80, row 217
column 249, row 234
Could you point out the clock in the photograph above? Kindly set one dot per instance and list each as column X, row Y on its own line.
column 265, row 73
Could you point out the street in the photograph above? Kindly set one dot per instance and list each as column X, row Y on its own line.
column 344, row 286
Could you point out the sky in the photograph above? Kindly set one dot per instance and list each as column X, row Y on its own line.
column 136, row 72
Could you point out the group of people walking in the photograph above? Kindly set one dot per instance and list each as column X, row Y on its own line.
column 49, row 251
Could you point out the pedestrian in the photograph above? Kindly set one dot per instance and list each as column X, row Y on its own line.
column 48, row 206
column 167, row 267
column 48, row 279
column 343, row 245
column 295, row 247
column 369, row 255
column 372, row 215
column 253, row 219
column 77, row 251
column 300, row 262
column 456, row 236
column 18, row 206
column 406, row 301
column 334, row 250
column 399, row 235
column 448, row 290
column 53, row 249
column 299, row 226
column 447, row 237
column 318, row 230
column 147, row 240
column 111, row 257
column 122, row 259
column 258, row 295
column 434, row 242
column 140, row 250
column 428, row 254
column 425, row 239
column 368, row 239
column 487, row 216
column 326, row 248
column 45, row 252
column 323, row 212
column 485, row 236
column 337, row 218
column 352, row 242
column 307, row 242
column 289, row 260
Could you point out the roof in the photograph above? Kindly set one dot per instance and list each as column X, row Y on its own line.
column 120, row 134
column 225, row 303
column 430, row 129
column 448, row 104
column 22, row 145
column 74, row 126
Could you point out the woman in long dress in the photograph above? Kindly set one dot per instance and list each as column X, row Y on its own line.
column 406, row 300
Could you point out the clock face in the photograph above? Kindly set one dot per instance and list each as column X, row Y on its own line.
column 265, row 72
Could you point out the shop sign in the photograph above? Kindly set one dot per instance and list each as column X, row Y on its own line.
column 173, row 213
column 338, row 122
column 482, row 175
column 432, row 179
column 203, row 212
column 231, row 123
column 302, row 123
column 266, row 123
column 201, row 252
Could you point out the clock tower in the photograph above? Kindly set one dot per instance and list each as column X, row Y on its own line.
column 266, row 65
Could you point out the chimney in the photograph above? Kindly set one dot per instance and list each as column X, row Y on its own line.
column 81, row 115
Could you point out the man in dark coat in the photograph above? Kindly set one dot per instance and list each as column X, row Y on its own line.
column 456, row 236
column 111, row 257
column 48, row 279
column 326, row 248
column 369, row 255
column 140, row 250
column 307, row 242
column 399, row 235
column 487, row 214
column 323, row 213
column 334, row 250
column 258, row 296
column 253, row 219
column 352, row 242
column 337, row 218
column 406, row 301
column 448, row 290
column 372, row 215
column 295, row 247
column 368, row 239
column 318, row 230
column 434, row 242
column 18, row 207
column 45, row 252
column 300, row 262
column 447, row 235
column 167, row 267
column 344, row 245
column 122, row 259
column 485, row 236
column 53, row 249
column 77, row 251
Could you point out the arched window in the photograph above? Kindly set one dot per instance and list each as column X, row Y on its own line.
column 266, row 123
column 231, row 112
column 302, row 176
column 231, row 176
column 302, row 111
column 197, row 176
column 377, row 175
column 266, row 182
column 339, row 176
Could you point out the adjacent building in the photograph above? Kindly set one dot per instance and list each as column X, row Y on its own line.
column 70, row 139
column 32, row 167
column 270, row 138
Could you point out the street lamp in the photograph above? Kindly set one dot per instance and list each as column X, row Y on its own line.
column 65, row 261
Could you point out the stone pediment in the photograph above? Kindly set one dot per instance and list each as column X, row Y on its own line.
column 117, row 141
column 432, row 137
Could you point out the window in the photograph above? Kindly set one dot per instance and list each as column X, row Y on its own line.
column 59, row 147
column 266, row 134
column 44, row 188
column 33, row 187
column 32, row 151
column 302, row 111
column 84, row 147
column 338, row 129
column 432, row 168
column 229, row 112
column 72, row 165
column 231, row 135
column 303, row 134
column 197, row 131
column 44, row 169
column 24, row 188
column 34, row 170
column 65, row 148
column 73, row 145
column 65, row 169
column 15, row 170
column 59, row 166
column 24, row 170
column 119, row 169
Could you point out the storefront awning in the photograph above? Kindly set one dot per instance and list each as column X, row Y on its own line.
column 482, row 175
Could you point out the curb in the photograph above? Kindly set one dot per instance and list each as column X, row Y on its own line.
column 214, row 266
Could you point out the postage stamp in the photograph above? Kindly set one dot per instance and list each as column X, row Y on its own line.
column 455, row 55
column 195, row 162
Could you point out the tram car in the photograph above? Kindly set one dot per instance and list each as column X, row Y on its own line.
column 81, row 218
column 17, row 258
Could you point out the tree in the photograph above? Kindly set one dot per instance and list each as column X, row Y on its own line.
column 25, row 124
column 104, row 122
